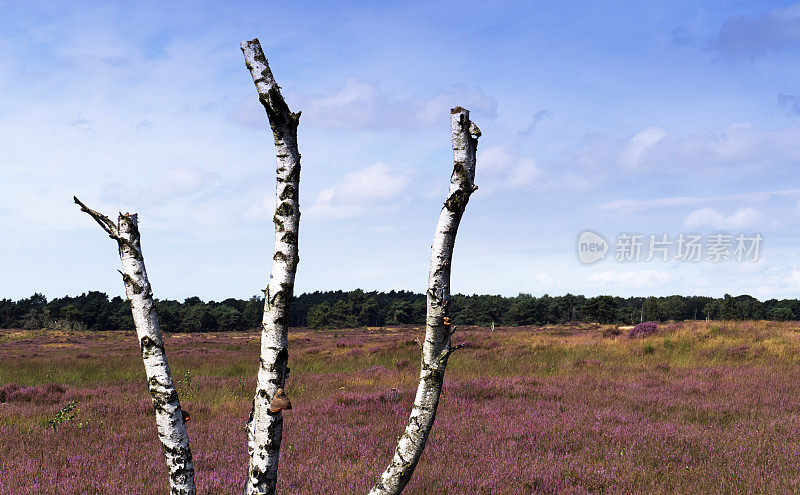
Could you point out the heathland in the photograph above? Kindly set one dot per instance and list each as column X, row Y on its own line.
column 697, row 407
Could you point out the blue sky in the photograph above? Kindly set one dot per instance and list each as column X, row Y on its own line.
column 636, row 117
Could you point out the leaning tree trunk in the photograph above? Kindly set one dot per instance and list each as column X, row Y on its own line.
column 265, row 427
column 169, row 417
column 437, row 347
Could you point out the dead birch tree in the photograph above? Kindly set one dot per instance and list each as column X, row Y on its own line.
column 169, row 417
column 438, row 332
column 265, row 427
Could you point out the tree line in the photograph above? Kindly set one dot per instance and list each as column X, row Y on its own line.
column 94, row 310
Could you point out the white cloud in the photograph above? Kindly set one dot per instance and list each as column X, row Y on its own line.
column 524, row 172
column 265, row 208
column 737, row 151
column 647, row 204
column 374, row 182
column 494, row 158
column 175, row 183
column 505, row 170
column 546, row 280
column 743, row 218
column 742, row 147
column 360, row 104
column 368, row 188
column 638, row 278
column 711, row 218
column 794, row 279
column 639, row 144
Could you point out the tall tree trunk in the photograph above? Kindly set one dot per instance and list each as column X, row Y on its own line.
column 169, row 417
column 437, row 347
column 264, row 429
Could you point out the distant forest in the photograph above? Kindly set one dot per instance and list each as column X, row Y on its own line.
column 338, row 309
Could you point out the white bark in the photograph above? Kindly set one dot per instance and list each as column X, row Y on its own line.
column 437, row 346
column 169, row 417
column 265, row 428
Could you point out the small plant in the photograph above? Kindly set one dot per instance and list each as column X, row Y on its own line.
column 64, row 415
column 643, row 329
column 188, row 389
column 649, row 348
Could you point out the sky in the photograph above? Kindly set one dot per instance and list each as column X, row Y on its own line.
column 620, row 118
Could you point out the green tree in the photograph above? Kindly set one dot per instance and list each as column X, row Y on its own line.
column 650, row 310
column 70, row 313
column 170, row 315
column 523, row 311
column 780, row 313
column 729, row 309
column 749, row 308
column 198, row 319
column 227, row 318
column 673, row 308
column 601, row 309
column 122, row 319
column 399, row 312
column 253, row 312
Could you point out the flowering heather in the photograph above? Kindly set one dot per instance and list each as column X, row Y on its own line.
column 643, row 329
column 713, row 408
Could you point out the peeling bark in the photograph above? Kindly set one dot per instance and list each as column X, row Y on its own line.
column 437, row 346
column 169, row 417
column 265, row 428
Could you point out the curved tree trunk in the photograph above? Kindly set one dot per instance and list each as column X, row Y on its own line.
column 437, row 347
column 169, row 417
column 264, row 429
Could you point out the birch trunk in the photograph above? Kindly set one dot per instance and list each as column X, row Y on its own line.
column 169, row 418
column 264, row 429
column 437, row 346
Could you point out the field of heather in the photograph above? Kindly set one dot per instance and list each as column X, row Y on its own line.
column 695, row 408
